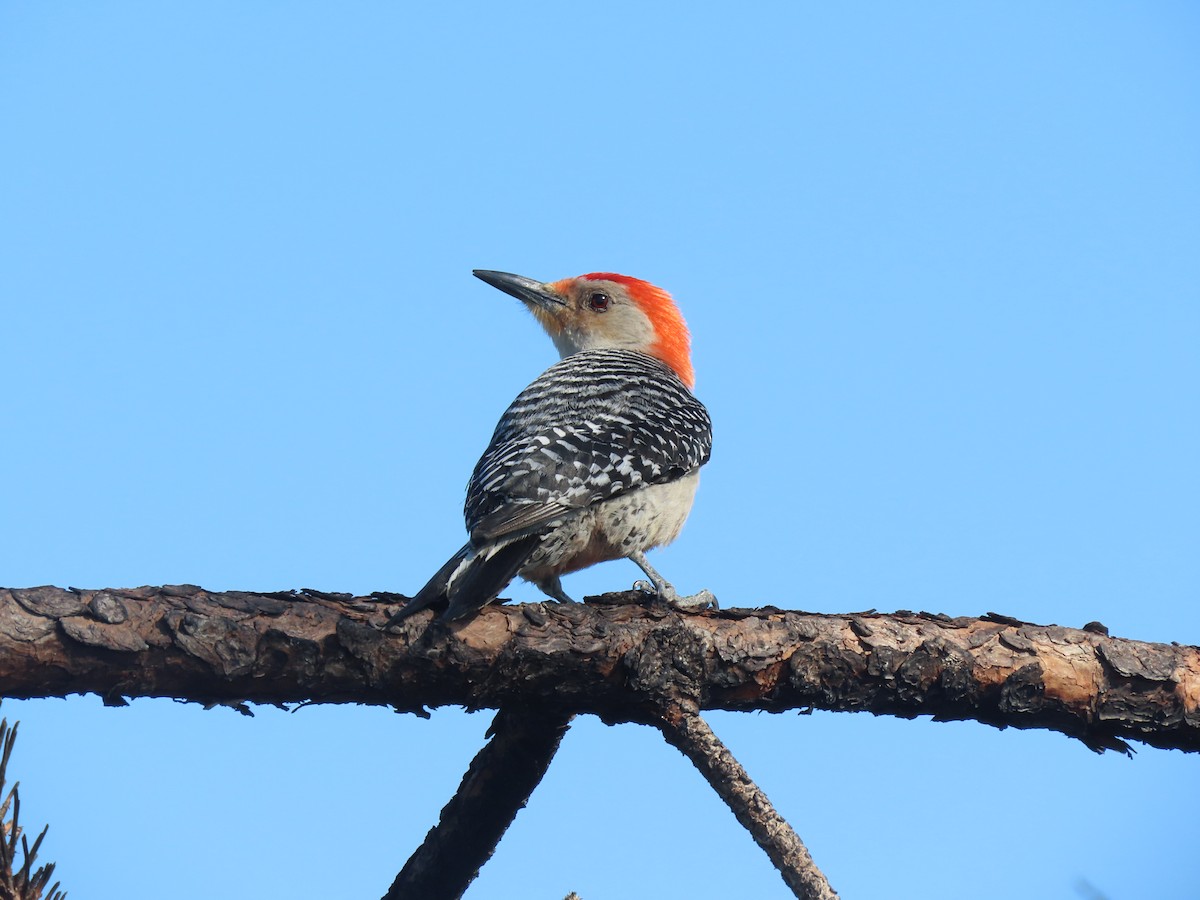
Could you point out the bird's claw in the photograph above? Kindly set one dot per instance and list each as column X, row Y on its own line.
column 704, row 599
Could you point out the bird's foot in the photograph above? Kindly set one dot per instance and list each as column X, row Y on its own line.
column 553, row 589
column 704, row 599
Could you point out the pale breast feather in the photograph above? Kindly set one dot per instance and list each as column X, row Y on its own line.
column 592, row 426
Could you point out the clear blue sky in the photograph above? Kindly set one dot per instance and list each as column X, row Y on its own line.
column 942, row 268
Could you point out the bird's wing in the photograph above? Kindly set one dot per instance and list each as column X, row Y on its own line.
column 637, row 426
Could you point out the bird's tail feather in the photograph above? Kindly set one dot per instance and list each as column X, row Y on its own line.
column 484, row 577
column 435, row 588
column 469, row 581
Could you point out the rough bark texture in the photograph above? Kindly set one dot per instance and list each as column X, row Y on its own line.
column 496, row 787
column 691, row 734
column 621, row 662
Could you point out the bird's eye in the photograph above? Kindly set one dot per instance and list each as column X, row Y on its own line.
column 599, row 301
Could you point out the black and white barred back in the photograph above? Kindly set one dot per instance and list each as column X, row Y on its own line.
column 593, row 426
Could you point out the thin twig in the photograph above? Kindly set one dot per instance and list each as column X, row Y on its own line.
column 691, row 735
column 496, row 786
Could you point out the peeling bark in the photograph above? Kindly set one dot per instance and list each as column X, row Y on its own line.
column 616, row 659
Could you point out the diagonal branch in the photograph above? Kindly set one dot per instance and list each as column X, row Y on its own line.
column 495, row 788
column 617, row 661
column 690, row 734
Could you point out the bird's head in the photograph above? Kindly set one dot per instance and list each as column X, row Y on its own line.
column 602, row 311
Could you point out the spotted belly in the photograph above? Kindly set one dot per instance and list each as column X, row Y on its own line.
column 612, row 529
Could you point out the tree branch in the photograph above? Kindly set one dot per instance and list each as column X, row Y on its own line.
column 620, row 662
column 495, row 788
column 689, row 733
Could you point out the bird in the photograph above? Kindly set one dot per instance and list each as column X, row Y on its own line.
column 597, row 459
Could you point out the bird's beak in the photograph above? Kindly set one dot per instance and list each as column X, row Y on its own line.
column 536, row 294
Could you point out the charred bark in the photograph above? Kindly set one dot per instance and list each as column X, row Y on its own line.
column 618, row 660
column 542, row 663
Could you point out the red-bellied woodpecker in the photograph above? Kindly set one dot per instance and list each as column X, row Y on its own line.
column 598, row 459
